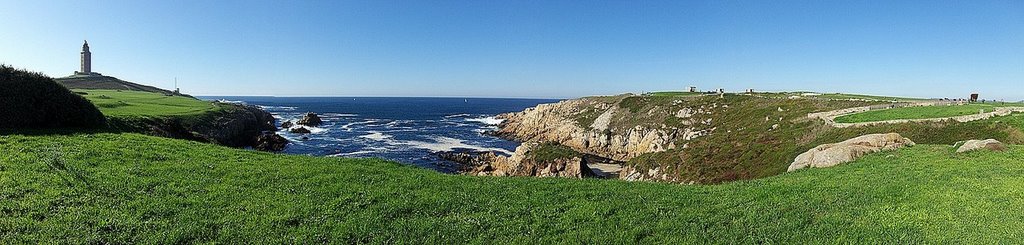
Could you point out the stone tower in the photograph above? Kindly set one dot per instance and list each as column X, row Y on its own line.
column 86, row 59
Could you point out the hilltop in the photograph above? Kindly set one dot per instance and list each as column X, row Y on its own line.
column 711, row 138
column 107, row 83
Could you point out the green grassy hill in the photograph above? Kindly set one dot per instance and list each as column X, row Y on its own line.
column 128, row 188
column 146, row 104
column 107, row 83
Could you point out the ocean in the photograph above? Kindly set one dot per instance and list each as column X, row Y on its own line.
column 406, row 130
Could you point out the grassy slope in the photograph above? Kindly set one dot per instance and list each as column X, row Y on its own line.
column 132, row 188
column 916, row 113
column 145, row 104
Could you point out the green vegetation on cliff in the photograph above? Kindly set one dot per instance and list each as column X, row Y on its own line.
column 128, row 188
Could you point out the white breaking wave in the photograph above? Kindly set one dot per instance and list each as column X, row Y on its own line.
column 339, row 115
column 456, row 115
column 348, row 127
column 283, row 108
column 351, row 153
column 231, row 101
column 376, row 136
column 312, row 130
column 448, row 144
column 487, row 120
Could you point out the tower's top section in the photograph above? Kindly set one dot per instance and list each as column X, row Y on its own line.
column 85, row 47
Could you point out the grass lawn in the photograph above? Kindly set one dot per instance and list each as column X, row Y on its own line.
column 145, row 104
column 917, row 112
column 129, row 188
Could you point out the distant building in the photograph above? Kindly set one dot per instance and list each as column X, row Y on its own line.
column 721, row 91
column 974, row 97
column 693, row 89
column 750, row 91
column 86, row 68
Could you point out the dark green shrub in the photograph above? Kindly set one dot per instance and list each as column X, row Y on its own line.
column 33, row 100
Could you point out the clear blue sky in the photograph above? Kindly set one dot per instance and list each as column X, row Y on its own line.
column 552, row 49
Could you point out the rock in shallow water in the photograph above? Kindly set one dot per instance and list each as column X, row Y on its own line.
column 299, row 130
column 310, row 119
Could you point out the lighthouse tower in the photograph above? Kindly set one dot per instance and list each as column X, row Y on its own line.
column 86, row 61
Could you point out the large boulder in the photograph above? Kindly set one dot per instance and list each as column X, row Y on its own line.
column 990, row 144
column 287, row 124
column 310, row 119
column 829, row 155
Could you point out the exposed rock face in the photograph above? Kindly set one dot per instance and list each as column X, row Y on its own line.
column 270, row 142
column 287, row 124
column 310, row 119
column 829, row 155
column 549, row 122
column 519, row 164
column 990, row 144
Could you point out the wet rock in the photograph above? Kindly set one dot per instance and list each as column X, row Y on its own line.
column 300, row 130
column 310, row 119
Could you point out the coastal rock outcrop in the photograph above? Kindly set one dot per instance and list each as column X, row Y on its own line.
column 235, row 125
column 270, row 142
column 829, row 155
column 287, row 124
column 552, row 122
column 990, row 144
column 310, row 119
column 521, row 163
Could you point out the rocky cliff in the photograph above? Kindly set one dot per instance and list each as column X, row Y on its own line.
column 235, row 125
column 699, row 139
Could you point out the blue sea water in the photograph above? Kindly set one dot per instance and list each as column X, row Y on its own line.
column 406, row 130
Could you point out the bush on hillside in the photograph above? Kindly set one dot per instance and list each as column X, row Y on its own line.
column 33, row 100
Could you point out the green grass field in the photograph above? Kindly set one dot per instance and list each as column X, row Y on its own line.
column 145, row 104
column 129, row 188
column 918, row 112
